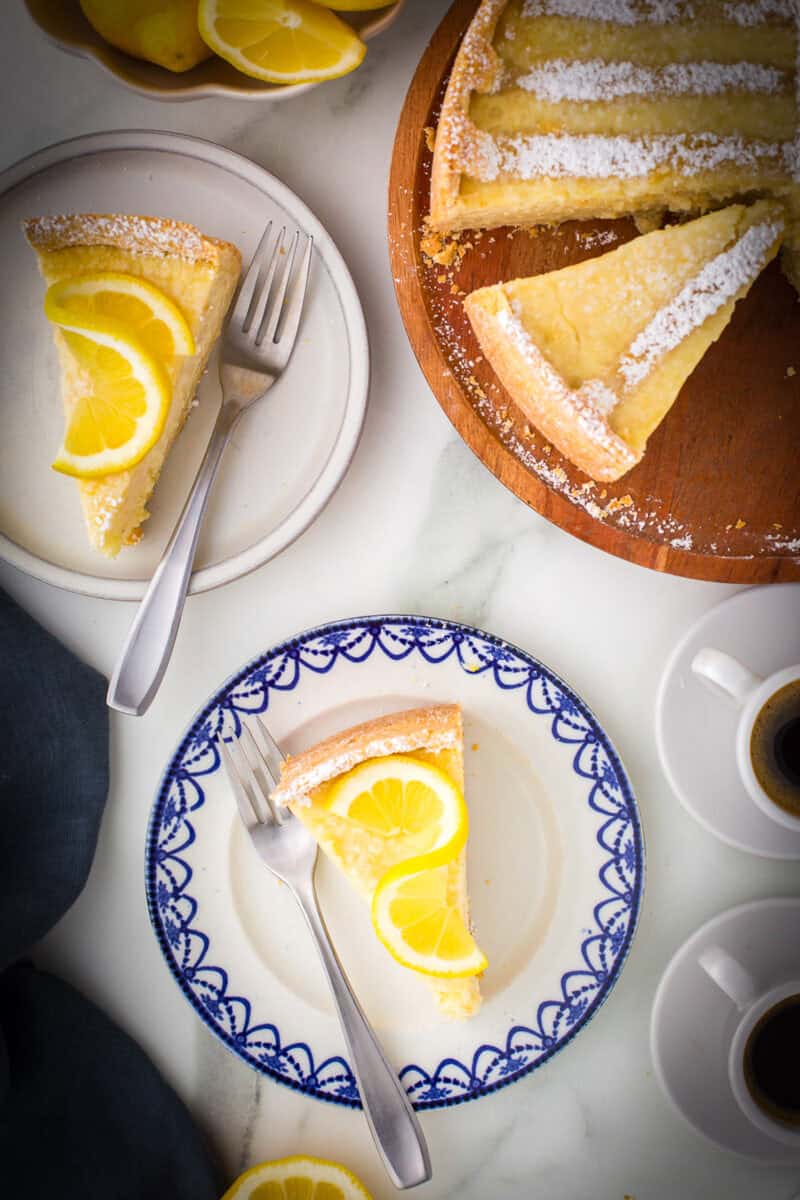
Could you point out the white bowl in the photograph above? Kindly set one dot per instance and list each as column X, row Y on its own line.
column 64, row 24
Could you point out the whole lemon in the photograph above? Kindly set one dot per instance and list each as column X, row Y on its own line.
column 161, row 31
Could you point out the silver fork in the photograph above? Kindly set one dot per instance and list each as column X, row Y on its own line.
column 256, row 347
column 289, row 851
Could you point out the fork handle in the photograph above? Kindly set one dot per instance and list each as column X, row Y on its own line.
column 390, row 1115
column 148, row 647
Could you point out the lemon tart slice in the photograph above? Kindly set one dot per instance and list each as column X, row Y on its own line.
column 574, row 109
column 198, row 274
column 323, row 784
column 595, row 354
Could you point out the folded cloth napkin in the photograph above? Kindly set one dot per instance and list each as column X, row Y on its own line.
column 83, row 1112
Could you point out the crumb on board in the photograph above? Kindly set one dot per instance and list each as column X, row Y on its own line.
column 791, row 372
column 740, row 524
column 474, row 746
column 430, row 137
column 439, row 248
column 619, row 502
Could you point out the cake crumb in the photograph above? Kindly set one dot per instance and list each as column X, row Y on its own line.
column 430, row 137
column 740, row 524
column 790, row 372
column 474, row 745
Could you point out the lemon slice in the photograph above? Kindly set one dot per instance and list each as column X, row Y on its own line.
column 120, row 408
column 419, row 922
column 92, row 299
column 403, row 797
column 354, row 5
column 281, row 41
column 298, row 1178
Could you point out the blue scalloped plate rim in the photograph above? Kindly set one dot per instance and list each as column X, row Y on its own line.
column 333, row 1080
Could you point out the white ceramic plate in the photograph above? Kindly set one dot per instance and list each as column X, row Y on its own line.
column 555, row 866
column 289, row 452
column 696, row 731
column 693, row 1021
column 64, row 24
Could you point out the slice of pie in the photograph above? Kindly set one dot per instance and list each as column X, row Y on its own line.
column 595, row 354
column 198, row 273
column 575, row 109
column 432, row 735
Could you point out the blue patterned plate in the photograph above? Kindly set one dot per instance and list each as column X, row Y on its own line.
column 555, row 865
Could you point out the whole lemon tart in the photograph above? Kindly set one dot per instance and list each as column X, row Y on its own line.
column 595, row 354
column 378, row 798
column 197, row 274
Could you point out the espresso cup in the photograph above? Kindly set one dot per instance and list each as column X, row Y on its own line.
column 762, row 1054
column 729, row 679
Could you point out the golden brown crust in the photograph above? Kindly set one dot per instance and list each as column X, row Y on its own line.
column 570, row 419
column 434, row 728
column 157, row 236
column 457, row 139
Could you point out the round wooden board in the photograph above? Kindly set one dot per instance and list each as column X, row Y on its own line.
column 717, row 495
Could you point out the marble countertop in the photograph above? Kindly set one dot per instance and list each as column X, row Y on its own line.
column 438, row 535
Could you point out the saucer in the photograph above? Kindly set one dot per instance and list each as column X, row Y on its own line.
column 693, row 1021
column 696, row 732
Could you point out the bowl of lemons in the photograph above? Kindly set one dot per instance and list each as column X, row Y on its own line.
column 190, row 49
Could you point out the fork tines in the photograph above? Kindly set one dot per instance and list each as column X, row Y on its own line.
column 261, row 307
column 253, row 763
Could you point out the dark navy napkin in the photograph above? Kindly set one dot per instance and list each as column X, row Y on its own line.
column 83, row 1112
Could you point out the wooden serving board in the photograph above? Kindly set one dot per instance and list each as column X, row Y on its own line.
column 717, row 495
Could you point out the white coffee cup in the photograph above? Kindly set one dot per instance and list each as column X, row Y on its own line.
column 752, row 1003
column 725, row 676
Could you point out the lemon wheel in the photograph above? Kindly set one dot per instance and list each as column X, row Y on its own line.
column 401, row 796
column 419, row 922
column 297, row 1178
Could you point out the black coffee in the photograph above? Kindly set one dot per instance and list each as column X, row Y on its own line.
column 772, row 1062
column 775, row 747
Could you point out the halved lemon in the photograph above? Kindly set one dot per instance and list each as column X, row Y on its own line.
column 281, row 41
column 149, row 315
column 121, row 406
column 418, row 921
column 401, row 796
column 297, row 1178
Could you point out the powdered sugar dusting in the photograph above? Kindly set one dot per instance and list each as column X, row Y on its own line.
column 757, row 12
column 589, row 404
column 656, row 12
column 564, row 79
column 313, row 775
column 138, row 234
column 595, row 156
column 714, row 286
column 621, row 12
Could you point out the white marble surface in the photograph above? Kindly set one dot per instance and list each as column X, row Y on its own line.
column 420, row 526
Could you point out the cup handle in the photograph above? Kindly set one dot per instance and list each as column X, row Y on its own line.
column 725, row 675
column 730, row 976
